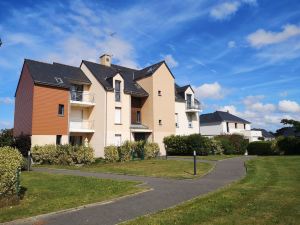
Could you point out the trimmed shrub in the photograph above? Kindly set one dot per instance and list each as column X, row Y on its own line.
column 23, row 144
column 45, row 154
column 125, row 151
column 6, row 138
column 233, row 144
column 215, row 147
column 261, row 148
column 83, row 155
column 176, row 145
column 10, row 162
column 198, row 143
column 64, row 155
column 151, row 150
column 289, row 145
column 111, row 153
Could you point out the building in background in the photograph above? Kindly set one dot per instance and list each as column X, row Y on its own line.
column 219, row 122
column 102, row 104
column 266, row 136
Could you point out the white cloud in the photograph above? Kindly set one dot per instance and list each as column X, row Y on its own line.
column 289, row 106
column 212, row 91
column 226, row 9
column 231, row 44
column 170, row 61
column 262, row 37
column 253, row 103
column 231, row 109
column 7, row 100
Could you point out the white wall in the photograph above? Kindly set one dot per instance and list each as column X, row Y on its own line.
column 47, row 139
column 211, row 129
column 183, row 123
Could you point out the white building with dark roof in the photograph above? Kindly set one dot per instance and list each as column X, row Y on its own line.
column 219, row 122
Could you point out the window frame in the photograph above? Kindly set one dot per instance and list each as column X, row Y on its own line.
column 138, row 117
column 120, row 119
column 58, row 139
column 117, row 91
column 160, row 122
column 61, row 110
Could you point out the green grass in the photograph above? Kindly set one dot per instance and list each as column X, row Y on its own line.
column 48, row 193
column 153, row 168
column 210, row 157
column 270, row 194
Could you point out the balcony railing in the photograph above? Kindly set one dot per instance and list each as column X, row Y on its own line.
column 81, row 125
column 80, row 96
column 192, row 105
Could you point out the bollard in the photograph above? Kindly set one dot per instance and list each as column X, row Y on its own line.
column 195, row 162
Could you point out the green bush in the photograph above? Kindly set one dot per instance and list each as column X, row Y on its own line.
column 215, row 147
column 10, row 162
column 6, row 138
column 125, row 150
column 151, row 150
column 176, row 145
column 262, row 148
column 62, row 154
column 233, row 144
column 111, row 153
column 198, row 143
column 23, row 144
column 289, row 145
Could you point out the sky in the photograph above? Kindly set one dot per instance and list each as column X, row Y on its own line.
column 238, row 55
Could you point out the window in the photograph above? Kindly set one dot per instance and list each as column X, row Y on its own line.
column 190, row 122
column 117, row 115
column 159, row 92
column 118, row 139
column 176, row 120
column 244, row 126
column 61, row 110
column 138, row 116
column 235, row 125
column 58, row 139
column 159, row 122
column 227, row 127
column 117, row 90
column 189, row 101
column 75, row 140
column 58, row 80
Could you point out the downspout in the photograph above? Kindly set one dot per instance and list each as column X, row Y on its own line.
column 105, row 141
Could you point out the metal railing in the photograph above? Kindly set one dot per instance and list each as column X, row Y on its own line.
column 82, row 96
column 86, row 125
column 192, row 105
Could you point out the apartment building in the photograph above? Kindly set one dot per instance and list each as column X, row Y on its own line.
column 102, row 104
column 219, row 122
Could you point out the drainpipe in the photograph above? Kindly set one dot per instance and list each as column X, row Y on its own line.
column 105, row 141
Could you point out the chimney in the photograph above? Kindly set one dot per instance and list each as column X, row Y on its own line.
column 105, row 60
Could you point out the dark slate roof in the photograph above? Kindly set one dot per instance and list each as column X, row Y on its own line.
column 45, row 73
column 265, row 133
column 220, row 116
column 104, row 73
column 179, row 93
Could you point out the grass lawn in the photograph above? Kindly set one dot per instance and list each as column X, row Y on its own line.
column 153, row 168
column 270, row 194
column 48, row 193
column 210, row 157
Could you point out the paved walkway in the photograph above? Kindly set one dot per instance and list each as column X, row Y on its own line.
column 165, row 193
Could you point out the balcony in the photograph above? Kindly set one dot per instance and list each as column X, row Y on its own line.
column 82, row 126
column 83, row 99
column 192, row 106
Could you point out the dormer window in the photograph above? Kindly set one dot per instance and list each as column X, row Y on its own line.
column 117, row 90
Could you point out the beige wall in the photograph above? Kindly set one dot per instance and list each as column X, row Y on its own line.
column 125, row 104
column 183, row 123
column 97, row 114
column 47, row 139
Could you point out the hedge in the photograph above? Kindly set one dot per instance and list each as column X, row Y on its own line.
column 186, row 145
column 262, row 148
column 62, row 154
column 10, row 162
column 233, row 144
column 289, row 145
column 111, row 153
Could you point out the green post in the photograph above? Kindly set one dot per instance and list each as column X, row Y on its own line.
column 142, row 155
column 18, row 181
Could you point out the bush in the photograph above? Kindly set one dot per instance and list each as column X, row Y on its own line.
column 111, row 153
column 62, row 154
column 6, row 138
column 233, row 144
column 289, row 145
column 198, row 143
column 176, row 145
column 10, row 162
column 215, row 147
column 261, row 148
column 151, row 150
column 23, row 144
column 125, row 151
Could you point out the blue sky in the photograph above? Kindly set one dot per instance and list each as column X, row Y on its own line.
column 239, row 55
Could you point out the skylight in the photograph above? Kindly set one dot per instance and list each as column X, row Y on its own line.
column 58, row 80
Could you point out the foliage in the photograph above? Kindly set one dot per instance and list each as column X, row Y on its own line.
column 262, row 148
column 151, row 150
column 10, row 162
column 6, row 137
column 62, row 154
column 176, row 145
column 294, row 123
column 23, row 144
column 289, row 145
column 111, row 153
column 215, row 147
column 198, row 143
column 233, row 144
column 125, row 150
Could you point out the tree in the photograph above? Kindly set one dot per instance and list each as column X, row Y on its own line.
column 294, row 123
column 6, row 137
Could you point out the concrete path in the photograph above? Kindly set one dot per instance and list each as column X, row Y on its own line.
column 164, row 194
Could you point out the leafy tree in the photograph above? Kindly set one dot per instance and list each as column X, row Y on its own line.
column 294, row 123
column 6, row 137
